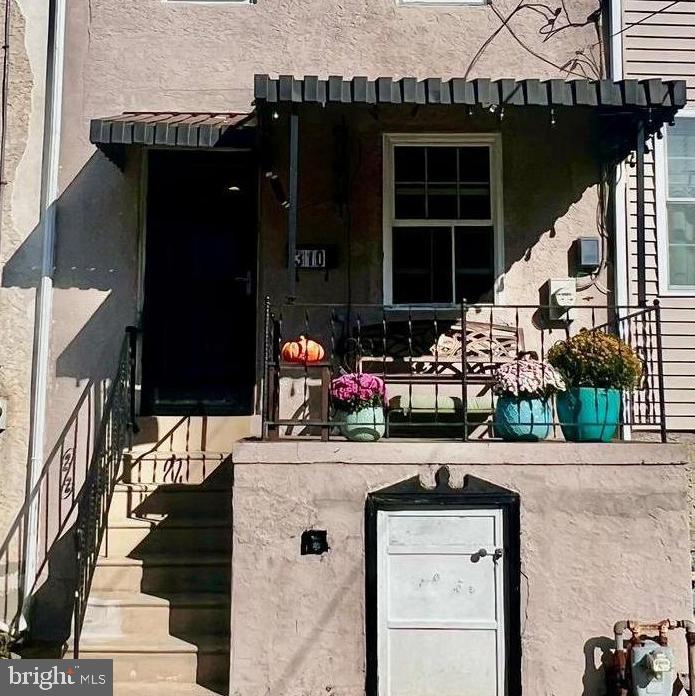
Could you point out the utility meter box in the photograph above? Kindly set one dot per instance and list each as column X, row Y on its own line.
column 563, row 296
column 652, row 669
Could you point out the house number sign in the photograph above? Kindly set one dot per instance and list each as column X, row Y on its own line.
column 310, row 258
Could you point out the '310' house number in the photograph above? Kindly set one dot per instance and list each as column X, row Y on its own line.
column 308, row 258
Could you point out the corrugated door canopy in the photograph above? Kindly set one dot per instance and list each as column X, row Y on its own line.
column 169, row 129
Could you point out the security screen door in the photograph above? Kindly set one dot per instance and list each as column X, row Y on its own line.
column 199, row 322
column 440, row 603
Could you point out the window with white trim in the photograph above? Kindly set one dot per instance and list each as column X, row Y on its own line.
column 680, row 203
column 440, row 222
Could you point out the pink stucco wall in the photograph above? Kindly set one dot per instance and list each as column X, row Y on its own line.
column 599, row 543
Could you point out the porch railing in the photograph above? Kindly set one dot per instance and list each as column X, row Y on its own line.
column 433, row 388
column 70, row 496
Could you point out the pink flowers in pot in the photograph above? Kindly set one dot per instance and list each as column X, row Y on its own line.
column 356, row 390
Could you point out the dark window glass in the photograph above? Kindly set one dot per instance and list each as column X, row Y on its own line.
column 421, row 265
column 410, row 201
column 474, row 263
column 441, row 164
column 442, row 183
column 441, row 202
column 474, row 164
column 409, row 164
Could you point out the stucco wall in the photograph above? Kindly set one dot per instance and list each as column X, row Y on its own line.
column 549, row 189
column 20, row 253
column 150, row 55
column 598, row 544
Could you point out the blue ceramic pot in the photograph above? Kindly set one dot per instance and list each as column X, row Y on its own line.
column 589, row 414
column 366, row 425
column 523, row 419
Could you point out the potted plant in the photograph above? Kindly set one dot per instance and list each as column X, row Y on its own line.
column 358, row 399
column 596, row 367
column 524, row 390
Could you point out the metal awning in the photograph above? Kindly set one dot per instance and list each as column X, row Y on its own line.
column 173, row 129
column 668, row 95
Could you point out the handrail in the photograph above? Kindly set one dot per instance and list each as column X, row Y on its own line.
column 95, row 498
column 60, row 492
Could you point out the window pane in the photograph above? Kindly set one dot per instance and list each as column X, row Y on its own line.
column 442, row 183
column 474, row 164
column 409, row 164
column 681, row 223
column 410, row 203
column 681, row 159
column 475, row 203
column 681, row 265
column 474, row 247
column 421, row 265
column 441, row 164
column 441, row 202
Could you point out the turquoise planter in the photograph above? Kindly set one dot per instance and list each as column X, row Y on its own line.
column 519, row 419
column 366, row 425
column 588, row 414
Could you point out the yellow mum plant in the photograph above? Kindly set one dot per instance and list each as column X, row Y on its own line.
column 596, row 359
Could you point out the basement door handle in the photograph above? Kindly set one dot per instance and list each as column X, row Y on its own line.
column 247, row 280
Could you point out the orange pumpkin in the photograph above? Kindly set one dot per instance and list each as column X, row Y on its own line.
column 302, row 350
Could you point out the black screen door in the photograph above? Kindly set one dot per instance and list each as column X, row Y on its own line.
column 199, row 305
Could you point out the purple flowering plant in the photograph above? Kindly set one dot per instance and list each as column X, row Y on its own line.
column 528, row 377
column 356, row 390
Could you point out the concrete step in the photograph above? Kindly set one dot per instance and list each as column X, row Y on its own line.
column 168, row 688
column 166, row 466
column 163, row 661
column 212, row 433
column 123, row 613
column 140, row 538
column 156, row 501
column 164, row 572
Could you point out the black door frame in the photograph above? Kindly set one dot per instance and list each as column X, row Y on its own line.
column 475, row 494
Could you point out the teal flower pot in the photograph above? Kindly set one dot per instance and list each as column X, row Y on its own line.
column 366, row 425
column 589, row 414
column 520, row 419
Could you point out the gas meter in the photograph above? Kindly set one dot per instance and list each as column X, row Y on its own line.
column 652, row 667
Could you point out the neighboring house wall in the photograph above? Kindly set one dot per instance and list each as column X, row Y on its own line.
column 20, row 253
column 662, row 45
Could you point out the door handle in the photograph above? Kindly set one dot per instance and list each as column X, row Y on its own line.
column 483, row 553
column 247, row 280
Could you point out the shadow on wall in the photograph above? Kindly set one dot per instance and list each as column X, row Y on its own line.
column 597, row 653
column 96, row 250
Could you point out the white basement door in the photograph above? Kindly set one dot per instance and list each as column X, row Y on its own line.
column 440, row 603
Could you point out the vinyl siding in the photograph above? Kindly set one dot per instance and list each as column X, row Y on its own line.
column 662, row 46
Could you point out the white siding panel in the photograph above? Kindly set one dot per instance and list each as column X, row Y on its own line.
column 663, row 46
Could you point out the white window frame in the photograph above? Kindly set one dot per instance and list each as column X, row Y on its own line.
column 662, row 199
column 491, row 140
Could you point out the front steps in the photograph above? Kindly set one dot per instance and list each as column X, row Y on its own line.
column 159, row 605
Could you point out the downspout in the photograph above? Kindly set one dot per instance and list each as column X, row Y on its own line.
column 44, row 292
column 621, row 277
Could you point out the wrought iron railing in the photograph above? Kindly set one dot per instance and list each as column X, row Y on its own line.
column 95, row 500
column 434, row 388
column 68, row 498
